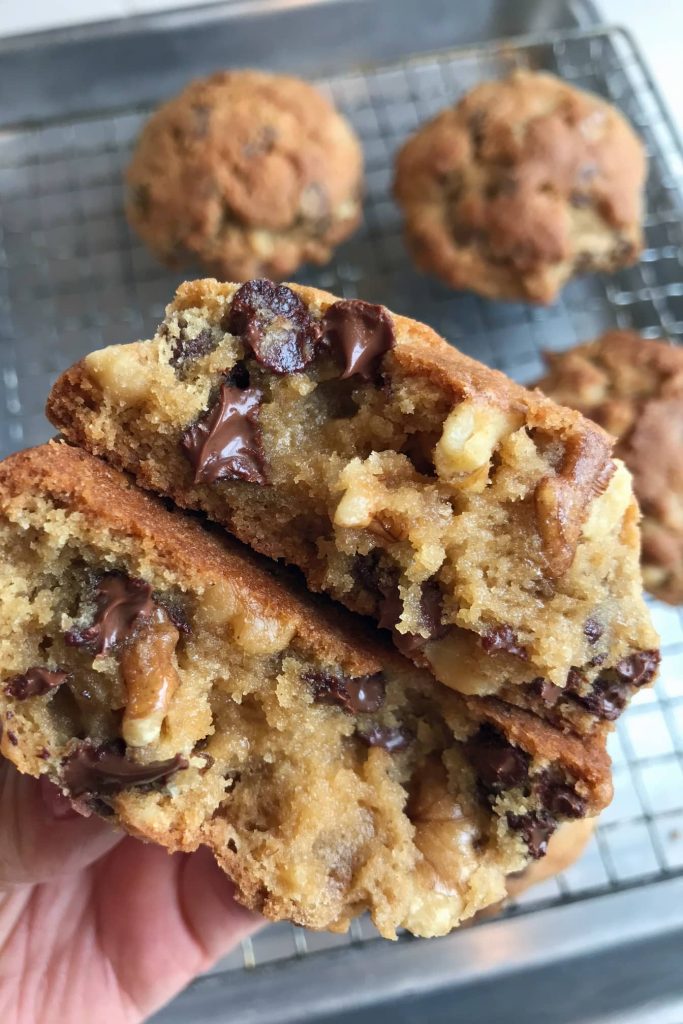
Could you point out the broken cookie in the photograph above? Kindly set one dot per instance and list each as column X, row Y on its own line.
column 161, row 676
column 491, row 530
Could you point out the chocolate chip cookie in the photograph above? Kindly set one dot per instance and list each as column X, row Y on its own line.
column 162, row 677
column 522, row 184
column 245, row 173
column 489, row 529
column 634, row 389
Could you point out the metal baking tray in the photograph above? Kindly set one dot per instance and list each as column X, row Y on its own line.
column 604, row 940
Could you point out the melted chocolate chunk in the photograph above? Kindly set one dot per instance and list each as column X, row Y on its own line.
column 361, row 333
column 535, row 829
column 122, row 604
column 35, row 682
column 225, row 444
column 362, row 694
column 639, row 668
column 497, row 763
column 592, row 631
column 275, row 325
column 106, row 769
column 390, row 739
column 431, row 607
column 503, row 638
column 186, row 349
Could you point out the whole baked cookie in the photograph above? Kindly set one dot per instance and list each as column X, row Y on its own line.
column 520, row 185
column 634, row 389
column 246, row 173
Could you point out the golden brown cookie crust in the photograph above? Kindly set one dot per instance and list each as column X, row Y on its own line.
column 634, row 389
column 247, row 174
column 522, row 184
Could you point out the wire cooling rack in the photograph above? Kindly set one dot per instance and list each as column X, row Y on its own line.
column 73, row 278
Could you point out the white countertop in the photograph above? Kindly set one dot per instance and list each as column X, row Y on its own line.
column 657, row 27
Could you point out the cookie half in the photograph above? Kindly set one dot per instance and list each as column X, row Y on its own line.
column 490, row 529
column 522, row 184
column 160, row 676
column 634, row 389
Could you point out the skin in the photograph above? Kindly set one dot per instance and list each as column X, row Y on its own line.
column 90, row 918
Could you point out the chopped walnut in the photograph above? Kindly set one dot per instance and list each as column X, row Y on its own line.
column 379, row 495
column 443, row 835
column 564, row 498
column 150, row 678
column 471, row 433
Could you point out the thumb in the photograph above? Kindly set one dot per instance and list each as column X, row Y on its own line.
column 41, row 836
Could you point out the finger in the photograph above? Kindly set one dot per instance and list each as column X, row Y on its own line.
column 165, row 919
column 40, row 836
column 209, row 908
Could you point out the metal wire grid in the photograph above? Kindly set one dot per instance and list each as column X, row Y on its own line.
column 72, row 278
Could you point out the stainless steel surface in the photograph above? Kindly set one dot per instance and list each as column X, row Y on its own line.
column 72, row 277
column 143, row 59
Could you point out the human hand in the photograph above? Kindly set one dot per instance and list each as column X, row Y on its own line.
column 97, row 925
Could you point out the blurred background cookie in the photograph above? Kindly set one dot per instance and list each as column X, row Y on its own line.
column 522, row 184
column 247, row 174
column 634, row 388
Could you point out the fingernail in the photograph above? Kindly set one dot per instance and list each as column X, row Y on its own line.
column 58, row 806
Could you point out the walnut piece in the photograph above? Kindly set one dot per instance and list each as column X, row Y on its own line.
column 471, row 433
column 563, row 498
column 443, row 835
column 150, row 678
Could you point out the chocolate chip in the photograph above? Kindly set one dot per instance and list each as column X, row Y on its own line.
column 177, row 616
column 275, row 325
column 503, row 638
column 639, row 668
column 361, row 333
column 105, row 769
column 558, row 798
column 535, row 829
column 498, row 764
column 225, row 443
column 575, row 680
column 592, row 631
column 122, row 604
column 547, row 691
column 431, row 608
column 12, row 737
column 354, row 695
column 366, row 571
column 186, row 349
column 34, row 682
column 238, row 376
column 390, row 739
column 606, row 699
